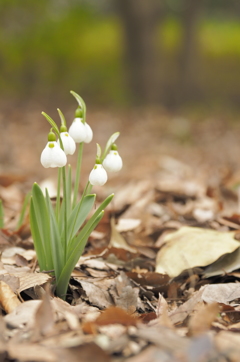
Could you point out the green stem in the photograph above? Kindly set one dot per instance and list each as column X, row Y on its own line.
column 78, row 172
column 65, row 211
column 58, row 193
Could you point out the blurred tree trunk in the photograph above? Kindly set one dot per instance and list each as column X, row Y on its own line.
column 189, row 55
column 140, row 19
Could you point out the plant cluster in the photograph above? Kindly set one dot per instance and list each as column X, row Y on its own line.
column 60, row 232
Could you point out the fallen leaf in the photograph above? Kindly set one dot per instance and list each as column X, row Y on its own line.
column 202, row 319
column 31, row 352
column 117, row 240
column 111, row 315
column 127, row 224
column 220, row 293
column 96, row 295
column 191, row 247
column 22, row 314
column 127, row 296
column 226, row 264
column 8, row 299
column 29, row 280
column 44, row 317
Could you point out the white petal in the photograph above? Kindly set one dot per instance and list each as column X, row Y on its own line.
column 89, row 137
column 53, row 156
column 68, row 143
column 78, row 130
column 113, row 162
column 98, row 176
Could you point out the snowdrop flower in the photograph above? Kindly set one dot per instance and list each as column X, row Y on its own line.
column 69, row 145
column 89, row 131
column 113, row 162
column 78, row 130
column 98, row 175
column 53, row 155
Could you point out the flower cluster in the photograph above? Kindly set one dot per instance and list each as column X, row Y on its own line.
column 55, row 152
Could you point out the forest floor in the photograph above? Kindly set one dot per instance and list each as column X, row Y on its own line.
column 159, row 279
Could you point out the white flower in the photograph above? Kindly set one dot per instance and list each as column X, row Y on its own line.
column 78, row 130
column 68, row 143
column 89, row 133
column 53, row 156
column 98, row 176
column 113, row 162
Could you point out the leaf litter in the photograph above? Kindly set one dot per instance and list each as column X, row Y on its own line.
column 159, row 279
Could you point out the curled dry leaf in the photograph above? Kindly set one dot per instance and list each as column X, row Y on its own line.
column 202, row 319
column 8, row 299
column 117, row 240
column 191, row 247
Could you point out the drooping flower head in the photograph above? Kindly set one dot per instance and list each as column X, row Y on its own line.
column 80, row 131
column 89, row 131
column 113, row 162
column 69, row 145
column 98, row 175
column 77, row 129
column 53, row 155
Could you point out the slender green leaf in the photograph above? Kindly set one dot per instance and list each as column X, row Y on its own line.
column 75, row 241
column 55, row 239
column 23, row 210
column 111, row 140
column 42, row 219
column 52, row 123
column 62, row 284
column 69, row 190
column 37, row 239
column 79, row 215
column 63, row 119
column 79, row 100
column 58, row 199
column 99, row 151
column 1, row 215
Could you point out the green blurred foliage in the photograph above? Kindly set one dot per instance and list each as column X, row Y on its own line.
column 52, row 46
column 45, row 48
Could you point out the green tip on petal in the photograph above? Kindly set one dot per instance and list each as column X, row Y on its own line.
column 51, row 145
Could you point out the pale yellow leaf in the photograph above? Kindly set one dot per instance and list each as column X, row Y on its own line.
column 191, row 247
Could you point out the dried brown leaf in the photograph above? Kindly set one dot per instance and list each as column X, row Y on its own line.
column 29, row 280
column 202, row 319
column 44, row 317
column 126, row 296
column 220, row 293
column 96, row 295
column 117, row 240
column 111, row 315
column 8, row 299
column 23, row 314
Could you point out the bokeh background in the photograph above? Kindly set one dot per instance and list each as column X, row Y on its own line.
column 121, row 52
column 160, row 66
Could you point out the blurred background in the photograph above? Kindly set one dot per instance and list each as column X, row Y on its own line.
column 165, row 73
column 121, row 52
